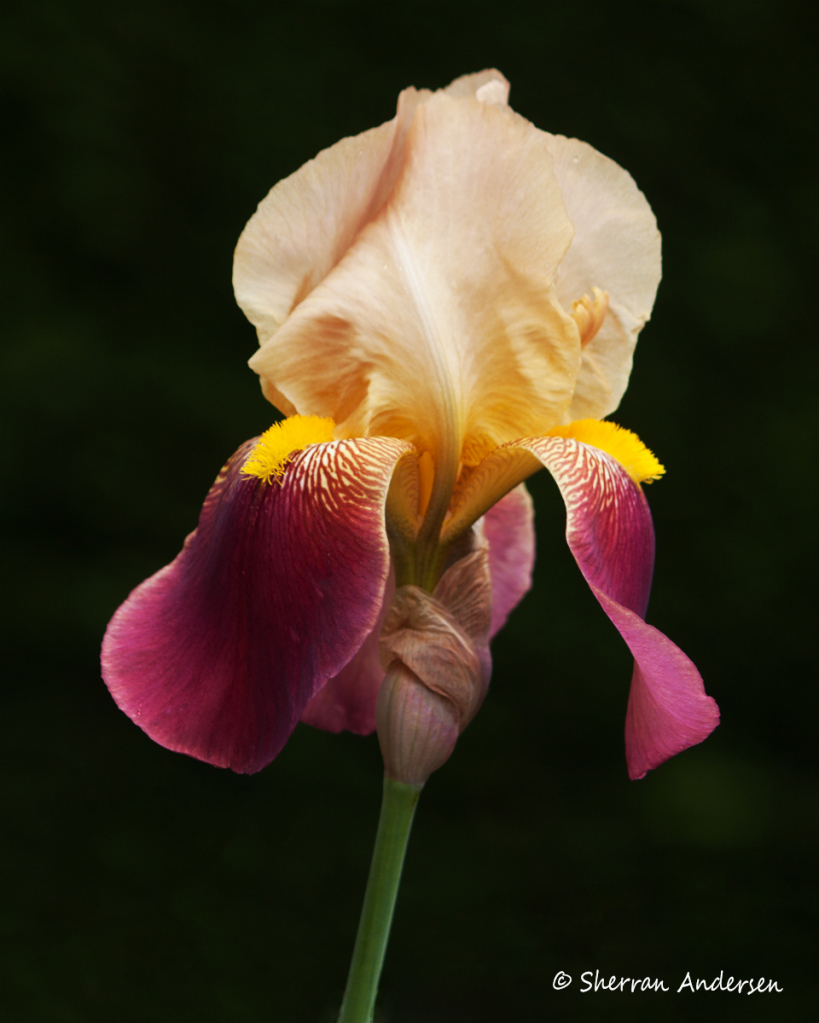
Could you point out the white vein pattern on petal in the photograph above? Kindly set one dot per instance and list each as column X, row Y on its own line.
column 344, row 474
column 608, row 525
column 591, row 479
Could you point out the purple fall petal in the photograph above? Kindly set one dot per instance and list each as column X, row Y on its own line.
column 668, row 710
column 218, row 653
column 510, row 532
column 348, row 699
column 610, row 534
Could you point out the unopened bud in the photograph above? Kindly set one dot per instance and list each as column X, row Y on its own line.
column 434, row 648
column 417, row 728
column 422, row 633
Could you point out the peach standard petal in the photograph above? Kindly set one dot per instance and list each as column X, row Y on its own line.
column 616, row 248
column 307, row 221
column 414, row 271
column 440, row 324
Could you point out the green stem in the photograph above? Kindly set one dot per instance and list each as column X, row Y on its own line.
column 397, row 809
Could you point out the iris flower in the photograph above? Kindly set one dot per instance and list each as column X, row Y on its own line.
column 445, row 304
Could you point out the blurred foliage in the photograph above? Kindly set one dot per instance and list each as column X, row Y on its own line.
column 143, row 886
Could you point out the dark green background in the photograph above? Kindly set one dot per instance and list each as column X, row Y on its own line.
column 139, row 885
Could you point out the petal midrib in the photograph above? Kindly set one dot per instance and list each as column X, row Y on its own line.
column 449, row 439
column 444, row 367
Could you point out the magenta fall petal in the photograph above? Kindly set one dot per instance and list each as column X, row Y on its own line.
column 510, row 531
column 611, row 536
column 217, row 654
column 347, row 702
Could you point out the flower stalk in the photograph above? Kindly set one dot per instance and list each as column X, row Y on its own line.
column 397, row 810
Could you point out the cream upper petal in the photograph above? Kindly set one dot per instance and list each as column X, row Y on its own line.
column 616, row 247
column 473, row 85
column 440, row 325
column 305, row 224
column 307, row 221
